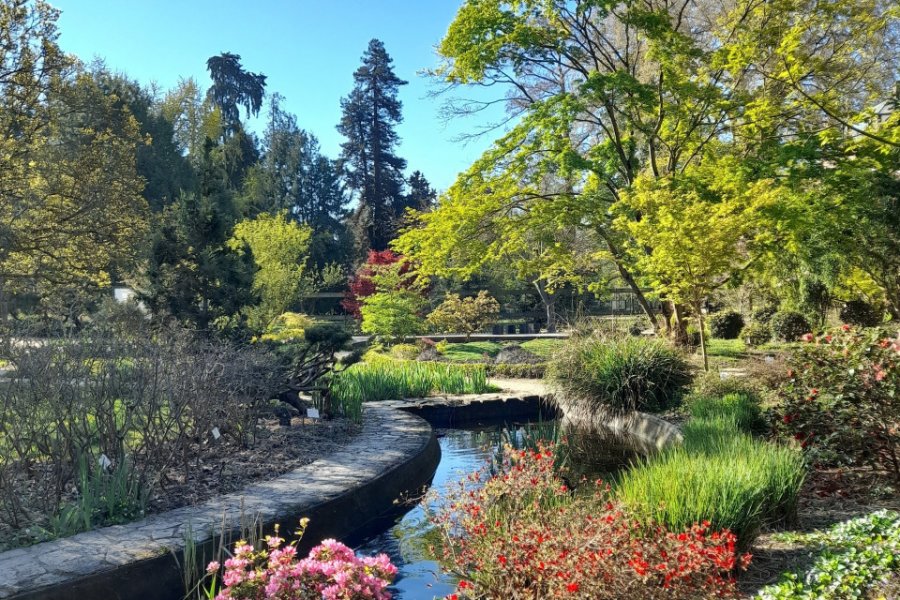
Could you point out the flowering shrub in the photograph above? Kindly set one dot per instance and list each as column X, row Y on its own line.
column 332, row 571
column 788, row 325
column 524, row 534
column 855, row 557
column 842, row 402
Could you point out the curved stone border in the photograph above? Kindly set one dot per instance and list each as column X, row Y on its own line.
column 646, row 432
column 344, row 492
column 457, row 411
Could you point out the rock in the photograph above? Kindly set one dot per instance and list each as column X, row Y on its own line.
column 516, row 355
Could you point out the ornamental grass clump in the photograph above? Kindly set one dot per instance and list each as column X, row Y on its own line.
column 742, row 407
column 386, row 379
column 720, row 474
column 524, row 534
column 597, row 374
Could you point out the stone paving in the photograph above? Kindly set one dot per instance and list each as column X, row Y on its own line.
column 389, row 438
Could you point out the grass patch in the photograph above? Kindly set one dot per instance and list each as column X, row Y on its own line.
column 386, row 379
column 471, row 351
column 719, row 474
column 734, row 349
column 741, row 408
column 545, row 348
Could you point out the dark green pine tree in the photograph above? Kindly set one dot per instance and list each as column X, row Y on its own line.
column 295, row 176
column 372, row 170
column 191, row 274
column 421, row 195
column 233, row 88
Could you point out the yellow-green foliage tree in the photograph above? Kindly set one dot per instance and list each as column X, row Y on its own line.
column 465, row 315
column 394, row 310
column 697, row 231
column 70, row 196
column 280, row 248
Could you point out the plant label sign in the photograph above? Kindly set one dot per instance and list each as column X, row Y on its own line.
column 312, row 413
column 104, row 461
column 216, row 433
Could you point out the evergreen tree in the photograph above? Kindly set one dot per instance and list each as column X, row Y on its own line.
column 294, row 176
column 373, row 171
column 421, row 195
column 192, row 275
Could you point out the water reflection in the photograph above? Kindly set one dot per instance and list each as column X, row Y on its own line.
column 590, row 455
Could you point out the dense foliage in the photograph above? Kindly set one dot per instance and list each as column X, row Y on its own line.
column 523, row 533
column 842, row 402
column 726, row 325
column 853, row 559
column 597, row 374
column 861, row 313
column 464, row 315
column 719, row 473
column 756, row 333
column 788, row 326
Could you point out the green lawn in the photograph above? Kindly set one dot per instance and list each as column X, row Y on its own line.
column 471, row 351
column 544, row 348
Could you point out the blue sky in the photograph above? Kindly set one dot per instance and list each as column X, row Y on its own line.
column 308, row 49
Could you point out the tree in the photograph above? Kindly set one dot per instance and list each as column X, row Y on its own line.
column 602, row 94
column 466, row 315
column 70, row 197
column 194, row 118
column 191, row 273
column 393, row 310
column 160, row 160
column 362, row 284
column 702, row 227
column 373, row 171
column 232, row 88
column 421, row 195
column 293, row 175
column 279, row 248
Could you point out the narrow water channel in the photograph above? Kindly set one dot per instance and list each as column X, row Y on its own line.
column 463, row 451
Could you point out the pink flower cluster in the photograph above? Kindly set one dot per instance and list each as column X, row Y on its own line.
column 332, row 571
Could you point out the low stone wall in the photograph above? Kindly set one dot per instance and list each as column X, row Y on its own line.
column 645, row 432
column 457, row 411
column 348, row 491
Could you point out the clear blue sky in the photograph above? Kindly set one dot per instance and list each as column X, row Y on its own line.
column 308, row 49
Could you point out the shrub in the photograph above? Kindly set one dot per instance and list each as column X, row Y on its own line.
column 756, row 334
column 619, row 375
column 854, row 557
column 405, row 351
column 287, row 328
column 861, row 313
column 788, row 326
column 764, row 313
column 332, row 570
column 387, row 379
column 842, row 401
column 711, row 385
column 518, row 370
column 742, row 408
column 523, row 534
column 719, row 474
column 726, row 325
column 464, row 315
column 362, row 284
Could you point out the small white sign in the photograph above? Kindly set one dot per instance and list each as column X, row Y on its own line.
column 724, row 375
column 312, row 413
column 770, row 359
column 104, row 461
column 216, row 433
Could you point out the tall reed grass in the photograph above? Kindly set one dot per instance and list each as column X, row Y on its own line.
column 386, row 379
column 719, row 474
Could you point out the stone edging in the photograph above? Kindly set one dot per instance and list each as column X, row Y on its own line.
column 454, row 411
column 645, row 432
column 341, row 493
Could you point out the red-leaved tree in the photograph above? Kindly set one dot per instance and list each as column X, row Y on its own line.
column 361, row 284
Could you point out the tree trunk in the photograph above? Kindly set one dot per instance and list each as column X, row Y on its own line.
column 549, row 305
column 702, row 336
column 4, row 306
column 618, row 259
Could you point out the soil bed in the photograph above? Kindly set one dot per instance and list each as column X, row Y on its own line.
column 223, row 468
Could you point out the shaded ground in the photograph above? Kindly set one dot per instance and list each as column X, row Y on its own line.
column 829, row 496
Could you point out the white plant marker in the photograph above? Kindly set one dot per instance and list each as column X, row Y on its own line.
column 312, row 413
column 216, row 433
column 104, row 462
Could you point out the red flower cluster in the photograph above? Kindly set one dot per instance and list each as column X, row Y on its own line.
column 524, row 534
